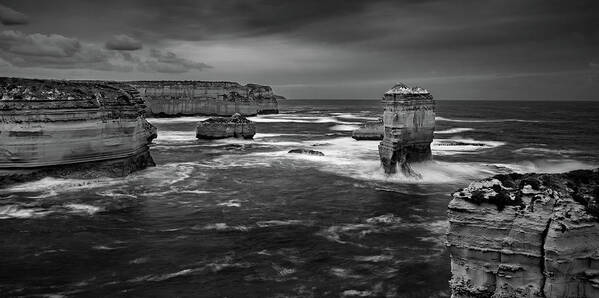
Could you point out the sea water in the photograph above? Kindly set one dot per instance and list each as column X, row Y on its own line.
column 244, row 218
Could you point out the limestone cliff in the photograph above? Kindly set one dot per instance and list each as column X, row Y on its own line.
column 173, row 98
column 218, row 128
column 409, row 123
column 532, row 235
column 58, row 126
column 370, row 130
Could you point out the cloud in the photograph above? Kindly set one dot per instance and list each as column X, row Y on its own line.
column 123, row 43
column 9, row 16
column 53, row 51
column 168, row 62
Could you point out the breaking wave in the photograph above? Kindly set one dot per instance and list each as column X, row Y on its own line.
column 454, row 130
column 439, row 118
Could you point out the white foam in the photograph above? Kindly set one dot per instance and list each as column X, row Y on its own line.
column 544, row 151
column 283, row 118
column 83, row 208
column 454, row 130
column 458, row 146
column 547, row 166
column 438, row 118
column 344, row 127
column 177, row 119
column 174, row 136
column 16, row 211
column 353, row 116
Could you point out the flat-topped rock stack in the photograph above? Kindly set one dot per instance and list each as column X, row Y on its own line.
column 220, row 127
column 59, row 127
column 370, row 130
column 177, row 98
column 526, row 235
column 409, row 123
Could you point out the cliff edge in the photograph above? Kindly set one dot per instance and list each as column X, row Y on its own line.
column 71, row 128
column 176, row 98
column 531, row 235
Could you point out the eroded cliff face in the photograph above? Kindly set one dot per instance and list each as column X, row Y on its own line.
column 532, row 235
column 219, row 128
column 173, row 98
column 57, row 126
column 370, row 130
column 409, row 123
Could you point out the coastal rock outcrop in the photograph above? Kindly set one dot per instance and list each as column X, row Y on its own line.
column 526, row 235
column 219, row 128
column 176, row 98
column 306, row 151
column 370, row 130
column 71, row 128
column 409, row 123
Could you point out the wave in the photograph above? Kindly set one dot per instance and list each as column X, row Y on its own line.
column 174, row 136
column 545, row 151
column 344, row 127
column 297, row 119
column 353, row 116
column 83, row 208
column 454, row 130
column 550, row 166
column 177, row 119
column 16, row 211
column 439, row 118
column 459, row 146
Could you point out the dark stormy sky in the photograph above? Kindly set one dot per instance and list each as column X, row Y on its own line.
column 471, row 49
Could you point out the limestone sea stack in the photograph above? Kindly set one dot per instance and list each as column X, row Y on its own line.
column 220, row 127
column 409, row 123
column 370, row 130
column 71, row 129
column 526, row 235
column 178, row 98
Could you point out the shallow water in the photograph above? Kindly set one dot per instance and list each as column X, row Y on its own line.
column 243, row 218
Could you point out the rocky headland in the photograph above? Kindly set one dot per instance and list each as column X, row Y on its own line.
column 409, row 123
column 71, row 129
column 526, row 235
column 179, row 98
column 370, row 130
column 237, row 126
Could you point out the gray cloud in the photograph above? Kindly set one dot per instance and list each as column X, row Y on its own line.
column 123, row 42
column 168, row 62
column 9, row 16
column 53, row 51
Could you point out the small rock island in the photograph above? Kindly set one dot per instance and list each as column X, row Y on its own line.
column 526, row 235
column 71, row 129
column 409, row 123
column 370, row 130
column 220, row 127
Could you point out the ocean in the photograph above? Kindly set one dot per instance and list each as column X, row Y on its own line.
column 244, row 218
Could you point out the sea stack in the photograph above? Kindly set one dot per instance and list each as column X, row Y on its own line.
column 71, row 129
column 409, row 123
column 220, row 127
column 526, row 235
column 179, row 98
column 370, row 130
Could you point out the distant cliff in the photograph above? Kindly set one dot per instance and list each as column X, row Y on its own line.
column 172, row 98
column 532, row 235
column 65, row 126
column 409, row 123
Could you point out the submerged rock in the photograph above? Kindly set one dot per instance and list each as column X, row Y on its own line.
column 178, row 98
column 531, row 235
column 219, row 128
column 409, row 123
column 71, row 129
column 306, row 151
column 370, row 130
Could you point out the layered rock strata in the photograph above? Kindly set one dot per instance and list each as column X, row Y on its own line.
column 219, row 128
column 176, row 98
column 532, row 235
column 59, row 127
column 409, row 123
column 370, row 130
